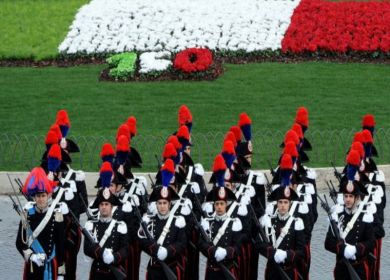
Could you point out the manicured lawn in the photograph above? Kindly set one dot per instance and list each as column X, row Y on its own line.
column 337, row 96
column 34, row 29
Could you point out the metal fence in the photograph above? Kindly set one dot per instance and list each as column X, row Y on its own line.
column 22, row 152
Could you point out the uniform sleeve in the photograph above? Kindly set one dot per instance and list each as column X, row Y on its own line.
column 332, row 244
column 364, row 247
column 59, row 240
column 19, row 243
column 207, row 249
column 92, row 249
column 299, row 251
column 175, row 249
column 148, row 246
column 121, row 254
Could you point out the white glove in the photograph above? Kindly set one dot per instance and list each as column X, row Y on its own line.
column 280, row 256
column 60, row 277
column 220, row 254
column 162, row 253
column 349, row 252
column 38, row 259
column 108, row 257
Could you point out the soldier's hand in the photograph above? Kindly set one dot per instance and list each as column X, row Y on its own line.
column 162, row 253
column 220, row 254
column 108, row 257
column 60, row 277
column 38, row 259
column 280, row 256
column 350, row 252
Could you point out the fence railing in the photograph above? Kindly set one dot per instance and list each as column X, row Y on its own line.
column 22, row 152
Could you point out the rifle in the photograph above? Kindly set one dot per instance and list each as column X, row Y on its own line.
column 151, row 181
column 271, row 168
column 332, row 192
column 268, row 187
column 262, row 235
column 159, row 164
column 167, row 270
column 336, row 173
column 86, row 208
column 119, row 274
column 335, row 230
column 226, row 272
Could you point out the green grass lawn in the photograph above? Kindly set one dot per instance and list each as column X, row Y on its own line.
column 337, row 96
column 34, row 29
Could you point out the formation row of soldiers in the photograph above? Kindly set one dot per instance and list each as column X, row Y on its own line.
column 242, row 217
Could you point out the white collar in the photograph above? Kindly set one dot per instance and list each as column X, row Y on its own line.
column 220, row 217
column 163, row 217
column 284, row 217
column 105, row 220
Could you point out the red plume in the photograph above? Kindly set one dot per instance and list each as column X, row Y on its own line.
column 56, row 129
column 368, row 120
column 132, row 125
column 230, row 137
column 173, row 139
column 169, row 151
column 169, row 166
column 244, row 119
column 51, row 138
column 183, row 132
column 286, row 162
column 291, row 135
column 353, row 158
column 107, row 150
column 123, row 130
column 357, row 146
column 237, row 132
column 106, row 167
column 62, row 118
column 122, row 144
column 358, row 137
column 228, row 147
column 367, row 137
column 291, row 149
column 184, row 115
column 298, row 129
column 55, row 152
column 219, row 163
column 302, row 116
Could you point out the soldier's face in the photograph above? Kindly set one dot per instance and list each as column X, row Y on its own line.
column 163, row 206
column 220, row 207
column 41, row 200
column 249, row 158
column 105, row 209
column 283, row 206
column 187, row 150
column 349, row 200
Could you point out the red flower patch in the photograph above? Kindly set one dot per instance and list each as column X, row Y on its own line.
column 317, row 25
column 193, row 60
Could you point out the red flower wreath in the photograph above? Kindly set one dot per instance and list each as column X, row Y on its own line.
column 193, row 60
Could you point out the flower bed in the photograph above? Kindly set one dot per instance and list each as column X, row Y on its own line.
column 319, row 26
column 105, row 26
column 190, row 64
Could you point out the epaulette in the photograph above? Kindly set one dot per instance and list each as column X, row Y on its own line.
column 180, row 222
column 242, row 210
column 311, row 174
column 237, row 225
column 68, row 192
column 195, row 188
column 89, row 226
column 29, row 205
column 309, row 188
column 126, row 207
column 260, row 178
column 299, row 224
column 62, row 207
column 152, row 208
column 80, row 175
column 380, row 176
column 142, row 181
column 265, row 221
column 199, row 170
column 207, row 207
column 303, row 208
column 121, row 227
column 368, row 217
column 371, row 207
column 186, row 207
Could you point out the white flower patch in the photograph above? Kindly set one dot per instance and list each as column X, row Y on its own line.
column 154, row 61
column 157, row 25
